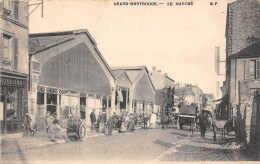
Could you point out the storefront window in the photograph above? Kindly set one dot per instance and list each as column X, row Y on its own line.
column 51, row 103
column 40, row 98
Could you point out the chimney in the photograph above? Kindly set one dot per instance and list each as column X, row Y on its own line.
column 154, row 69
column 159, row 71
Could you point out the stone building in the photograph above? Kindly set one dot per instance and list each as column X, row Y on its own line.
column 74, row 77
column 242, row 35
column 142, row 91
column 164, row 90
column 244, row 83
column 242, row 30
column 13, row 64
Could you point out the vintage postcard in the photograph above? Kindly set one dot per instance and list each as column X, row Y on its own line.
column 130, row 81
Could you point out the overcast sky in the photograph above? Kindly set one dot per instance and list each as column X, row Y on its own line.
column 179, row 40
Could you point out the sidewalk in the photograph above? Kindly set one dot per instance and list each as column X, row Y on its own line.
column 11, row 143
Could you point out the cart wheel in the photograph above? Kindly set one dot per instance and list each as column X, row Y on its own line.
column 82, row 132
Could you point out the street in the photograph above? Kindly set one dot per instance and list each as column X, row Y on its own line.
column 141, row 145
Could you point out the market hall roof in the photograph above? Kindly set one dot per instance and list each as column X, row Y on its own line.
column 41, row 41
column 252, row 51
column 71, row 60
column 142, row 85
column 133, row 72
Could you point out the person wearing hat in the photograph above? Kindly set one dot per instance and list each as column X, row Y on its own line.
column 26, row 124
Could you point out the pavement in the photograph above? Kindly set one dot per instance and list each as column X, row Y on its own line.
column 141, row 145
column 12, row 143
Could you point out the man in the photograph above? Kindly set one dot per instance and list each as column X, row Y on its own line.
column 203, row 124
column 164, row 121
column 110, row 126
column 101, row 122
column 93, row 119
column 153, row 120
column 146, row 119
column 114, row 117
column 26, row 123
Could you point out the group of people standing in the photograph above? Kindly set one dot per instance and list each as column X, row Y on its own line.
column 121, row 122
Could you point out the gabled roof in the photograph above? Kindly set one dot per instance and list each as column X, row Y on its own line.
column 118, row 73
column 134, row 72
column 252, row 51
column 41, row 41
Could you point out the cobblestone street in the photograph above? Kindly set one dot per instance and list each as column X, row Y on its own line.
column 141, row 145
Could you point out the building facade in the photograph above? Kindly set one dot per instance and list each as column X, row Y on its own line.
column 13, row 64
column 244, row 84
column 242, row 30
column 123, row 86
column 74, row 78
column 142, row 91
column 164, row 91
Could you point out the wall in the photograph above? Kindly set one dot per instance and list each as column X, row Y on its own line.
column 244, row 18
column 18, row 29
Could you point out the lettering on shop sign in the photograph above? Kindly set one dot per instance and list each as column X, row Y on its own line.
column 9, row 81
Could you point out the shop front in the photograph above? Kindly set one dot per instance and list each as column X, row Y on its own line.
column 13, row 102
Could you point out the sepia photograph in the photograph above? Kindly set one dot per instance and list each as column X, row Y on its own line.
column 129, row 81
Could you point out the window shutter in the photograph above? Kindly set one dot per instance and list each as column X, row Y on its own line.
column 16, row 9
column 15, row 53
column 247, row 69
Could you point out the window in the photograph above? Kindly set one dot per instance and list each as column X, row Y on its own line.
column 7, row 47
column 16, row 10
column 40, row 98
column 252, row 69
column 257, row 69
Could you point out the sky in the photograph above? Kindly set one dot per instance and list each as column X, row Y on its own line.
column 179, row 40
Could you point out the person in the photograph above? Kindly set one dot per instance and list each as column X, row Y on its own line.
column 123, row 124
column 46, row 122
column 146, row 119
column 110, row 124
column 119, row 122
column 93, row 119
column 26, row 124
column 203, row 124
column 57, row 130
column 131, row 123
column 114, row 117
column 153, row 120
column 101, row 122
column 164, row 121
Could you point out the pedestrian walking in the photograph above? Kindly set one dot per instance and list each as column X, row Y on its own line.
column 203, row 124
column 110, row 124
column 101, row 122
column 164, row 121
column 153, row 120
column 26, row 124
column 93, row 120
